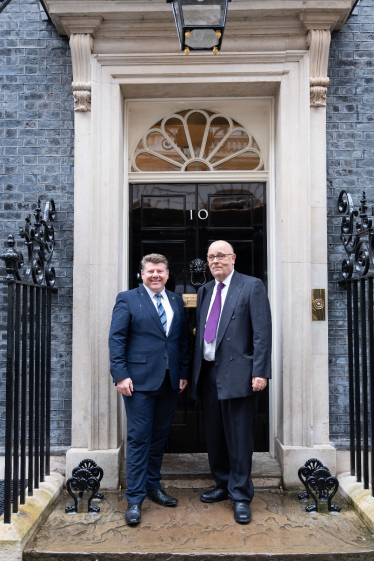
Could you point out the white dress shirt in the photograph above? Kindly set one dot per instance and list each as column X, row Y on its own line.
column 166, row 304
column 210, row 348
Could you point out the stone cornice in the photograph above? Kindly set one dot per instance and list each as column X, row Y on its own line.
column 254, row 13
column 177, row 59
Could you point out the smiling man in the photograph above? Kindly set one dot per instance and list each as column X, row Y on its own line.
column 232, row 363
column 149, row 358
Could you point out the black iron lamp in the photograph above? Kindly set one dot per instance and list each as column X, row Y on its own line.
column 200, row 23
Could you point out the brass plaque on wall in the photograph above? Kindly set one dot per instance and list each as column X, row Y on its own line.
column 190, row 300
column 318, row 304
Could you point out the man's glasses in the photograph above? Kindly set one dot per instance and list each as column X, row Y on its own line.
column 219, row 257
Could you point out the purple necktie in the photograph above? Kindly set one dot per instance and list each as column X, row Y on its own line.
column 213, row 319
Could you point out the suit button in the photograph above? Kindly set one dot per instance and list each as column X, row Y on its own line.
column 165, row 356
column 228, row 339
column 231, row 358
column 233, row 317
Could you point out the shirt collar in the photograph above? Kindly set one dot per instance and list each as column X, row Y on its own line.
column 152, row 293
column 227, row 280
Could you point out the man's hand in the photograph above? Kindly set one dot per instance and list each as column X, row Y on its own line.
column 259, row 384
column 125, row 387
column 182, row 385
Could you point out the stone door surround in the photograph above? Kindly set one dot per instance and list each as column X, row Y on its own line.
column 273, row 49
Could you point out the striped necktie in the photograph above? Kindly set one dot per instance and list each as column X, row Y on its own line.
column 161, row 311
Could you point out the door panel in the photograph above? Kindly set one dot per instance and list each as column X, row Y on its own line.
column 181, row 221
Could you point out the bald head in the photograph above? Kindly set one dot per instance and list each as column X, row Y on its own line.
column 222, row 267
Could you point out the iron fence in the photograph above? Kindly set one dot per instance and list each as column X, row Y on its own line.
column 357, row 235
column 30, row 289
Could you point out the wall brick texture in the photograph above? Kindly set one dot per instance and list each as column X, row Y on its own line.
column 36, row 160
column 350, row 166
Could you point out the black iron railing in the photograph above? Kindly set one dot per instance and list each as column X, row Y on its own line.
column 30, row 288
column 357, row 235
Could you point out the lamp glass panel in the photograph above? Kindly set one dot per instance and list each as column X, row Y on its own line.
column 203, row 12
column 178, row 19
column 202, row 39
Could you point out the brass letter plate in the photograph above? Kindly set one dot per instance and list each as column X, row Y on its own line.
column 190, row 300
column 318, row 304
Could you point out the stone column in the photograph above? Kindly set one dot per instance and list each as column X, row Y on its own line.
column 313, row 441
column 95, row 429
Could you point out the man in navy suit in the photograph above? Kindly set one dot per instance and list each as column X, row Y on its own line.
column 231, row 365
column 149, row 359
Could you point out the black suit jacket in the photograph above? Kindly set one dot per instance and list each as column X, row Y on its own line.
column 138, row 346
column 243, row 344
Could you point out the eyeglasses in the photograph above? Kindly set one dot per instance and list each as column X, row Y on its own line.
column 219, row 257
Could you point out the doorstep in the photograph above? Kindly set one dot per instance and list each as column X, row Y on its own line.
column 191, row 471
column 281, row 530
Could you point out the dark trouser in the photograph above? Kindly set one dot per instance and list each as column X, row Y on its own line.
column 149, row 417
column 230, row 429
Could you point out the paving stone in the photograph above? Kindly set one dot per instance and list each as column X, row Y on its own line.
column 280, row 530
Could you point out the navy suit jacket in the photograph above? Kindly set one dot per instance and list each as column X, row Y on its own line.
column 138, row 346
column 243, row 344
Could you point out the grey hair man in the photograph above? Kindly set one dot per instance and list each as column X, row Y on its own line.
column 232, row 364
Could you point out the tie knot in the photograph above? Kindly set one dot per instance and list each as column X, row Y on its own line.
column 158, row 296
column 220, row 286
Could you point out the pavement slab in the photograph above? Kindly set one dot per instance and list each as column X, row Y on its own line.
column 280, row 530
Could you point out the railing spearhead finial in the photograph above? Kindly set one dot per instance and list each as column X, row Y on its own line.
column 12, row 259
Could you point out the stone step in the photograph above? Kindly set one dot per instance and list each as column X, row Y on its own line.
column 191, row 471
column 281, row 530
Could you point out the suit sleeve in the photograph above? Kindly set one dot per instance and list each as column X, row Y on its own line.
column 184, row 346
column 118, row 338
column 261, row 324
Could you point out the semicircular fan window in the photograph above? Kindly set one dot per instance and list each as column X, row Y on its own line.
column 197, row 140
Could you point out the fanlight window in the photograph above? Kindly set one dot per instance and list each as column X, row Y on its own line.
column 197, row 140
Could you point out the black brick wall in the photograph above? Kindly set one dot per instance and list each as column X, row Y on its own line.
column 36, row 159
column 350, row 166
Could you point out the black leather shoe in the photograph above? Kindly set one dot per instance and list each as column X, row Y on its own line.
column 216, row 495
column 242, row 513
column 161, row 498
column 133, row 514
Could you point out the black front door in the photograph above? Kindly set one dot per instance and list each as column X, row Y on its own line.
column 181, row 221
